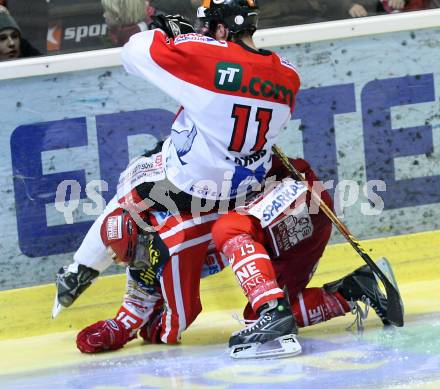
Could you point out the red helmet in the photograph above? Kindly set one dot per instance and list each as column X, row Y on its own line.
column 119, row 232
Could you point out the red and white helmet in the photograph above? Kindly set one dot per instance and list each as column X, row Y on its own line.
column 119, row 233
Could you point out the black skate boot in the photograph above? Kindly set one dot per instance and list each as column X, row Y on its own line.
column 361, row 285
column 272, row 335
column 71, row 281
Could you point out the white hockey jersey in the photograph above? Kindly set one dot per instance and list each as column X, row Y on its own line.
column 234, row 100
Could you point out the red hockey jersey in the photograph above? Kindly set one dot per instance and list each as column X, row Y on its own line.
column 235, row 102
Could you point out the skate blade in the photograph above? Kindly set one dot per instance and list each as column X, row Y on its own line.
column 282, row 347
column 57, row 307
column 384, row 265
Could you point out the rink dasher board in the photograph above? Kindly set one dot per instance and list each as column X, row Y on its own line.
column 271, row 37
column 415, row 260
column 359, row 117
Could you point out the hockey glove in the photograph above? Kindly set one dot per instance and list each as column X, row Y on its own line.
column 102, row 336
column 172, row 25
column 150, row 332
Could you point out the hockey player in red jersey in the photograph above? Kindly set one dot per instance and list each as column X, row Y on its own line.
column 295, row 241
column 163, row 277
column 234, row 98
column 276, row 244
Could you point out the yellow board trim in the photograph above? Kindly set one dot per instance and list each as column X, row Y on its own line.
column 415, row 259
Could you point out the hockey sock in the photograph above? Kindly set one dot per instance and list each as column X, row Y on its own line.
column 251, row 265
column 128, row 318
column 315, row 305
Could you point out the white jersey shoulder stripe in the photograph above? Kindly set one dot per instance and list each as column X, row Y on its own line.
column 285, row 62
column 185, row 38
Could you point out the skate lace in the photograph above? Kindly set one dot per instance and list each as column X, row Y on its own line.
column 360, row 314
column 249, row 324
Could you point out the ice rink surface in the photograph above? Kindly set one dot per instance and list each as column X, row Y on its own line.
column 332, row 357
column 407, row 357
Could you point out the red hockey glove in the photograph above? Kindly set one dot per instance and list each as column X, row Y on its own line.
column 103, row 335
column 150, row 332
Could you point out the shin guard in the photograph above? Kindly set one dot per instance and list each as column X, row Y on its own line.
column 251, row 265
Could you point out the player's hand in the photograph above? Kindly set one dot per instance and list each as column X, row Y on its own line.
column 102, row 336
column 172, row 25
column 150, row 332
column 396, row 4
column 357, row 11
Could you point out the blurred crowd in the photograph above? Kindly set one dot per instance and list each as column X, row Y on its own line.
column 94, row 24
column 293, row 12
column 274, row 13
column 125, row 17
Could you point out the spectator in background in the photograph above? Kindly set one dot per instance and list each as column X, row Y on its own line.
column 125, row 18
column 361, row 8
column 278, row 13
column 393, row 6
column 32, row 17
column 12, row 45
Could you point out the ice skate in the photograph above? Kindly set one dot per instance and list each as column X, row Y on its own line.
column 71, row 281
column 273, row 335
column 362, row 286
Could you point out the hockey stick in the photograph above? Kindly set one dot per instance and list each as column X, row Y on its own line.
column 395, row 305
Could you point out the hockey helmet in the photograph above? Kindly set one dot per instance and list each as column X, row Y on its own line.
column 236, row 15
column 119, row 233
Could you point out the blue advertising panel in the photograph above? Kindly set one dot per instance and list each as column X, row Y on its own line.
column 367, row 118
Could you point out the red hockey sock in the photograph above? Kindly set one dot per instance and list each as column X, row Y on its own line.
column 128, row 318
column 315, row 305
column 251, row 265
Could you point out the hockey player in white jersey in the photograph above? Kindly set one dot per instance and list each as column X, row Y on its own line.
column 235, row 100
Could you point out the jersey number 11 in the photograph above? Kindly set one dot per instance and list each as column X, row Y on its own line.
column 241, row 114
